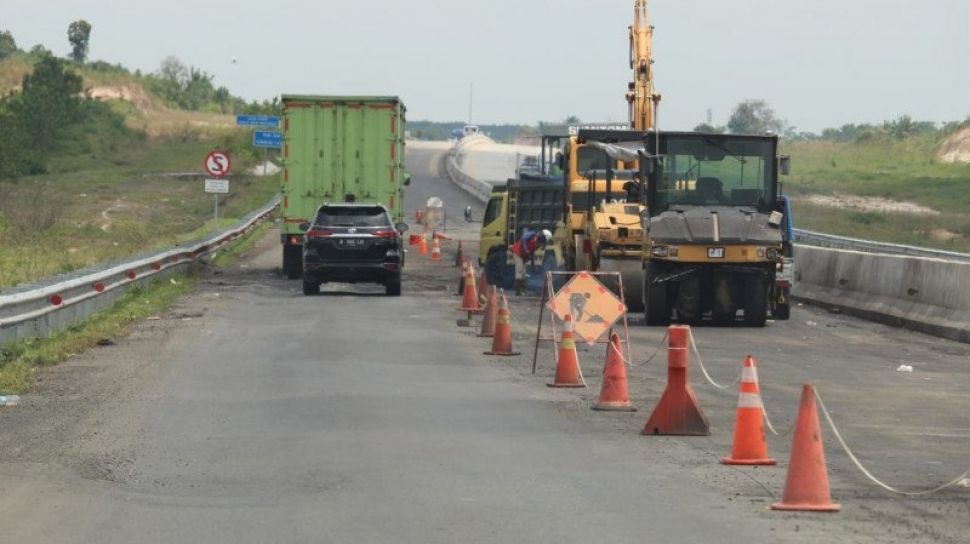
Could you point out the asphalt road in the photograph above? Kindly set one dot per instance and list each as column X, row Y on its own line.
column 249, row 413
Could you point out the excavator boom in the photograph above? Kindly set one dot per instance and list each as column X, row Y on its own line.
column 641, row 96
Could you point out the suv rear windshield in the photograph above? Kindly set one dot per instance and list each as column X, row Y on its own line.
column 356, row 216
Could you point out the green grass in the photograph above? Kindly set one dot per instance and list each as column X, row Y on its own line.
column 242, row 246
column 896, row 169
column 107, row 206
column 18, row 360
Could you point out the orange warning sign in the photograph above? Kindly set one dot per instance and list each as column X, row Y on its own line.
column 593, row 307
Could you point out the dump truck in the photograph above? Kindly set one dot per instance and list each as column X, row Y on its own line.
column 338, row 149
column 531, row 201
column 718, row 232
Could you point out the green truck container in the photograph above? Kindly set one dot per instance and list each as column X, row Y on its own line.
column 338, row 149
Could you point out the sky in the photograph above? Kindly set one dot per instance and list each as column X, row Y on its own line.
column 818, row 63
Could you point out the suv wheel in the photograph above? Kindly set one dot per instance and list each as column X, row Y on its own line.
column 393, row 288
column 311, row 288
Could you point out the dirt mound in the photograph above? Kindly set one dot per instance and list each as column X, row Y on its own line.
column 133, row 94
column 870, row 204
column 956, row 148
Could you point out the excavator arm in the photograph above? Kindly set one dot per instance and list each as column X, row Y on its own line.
column 640, row 96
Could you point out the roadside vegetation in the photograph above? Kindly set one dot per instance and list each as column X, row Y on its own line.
column 18, row 360
column 98, row 163
column 898, row 170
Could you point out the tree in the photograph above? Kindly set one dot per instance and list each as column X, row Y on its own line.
column 710, row 129
column 35, row 119
column 79, row 34
column 755, row 117
column 7, row 44
column 173, row 70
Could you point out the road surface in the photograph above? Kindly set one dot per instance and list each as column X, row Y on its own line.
column 250, row 413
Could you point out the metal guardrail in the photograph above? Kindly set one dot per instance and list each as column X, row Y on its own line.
column 819, row 239
column 37, row 310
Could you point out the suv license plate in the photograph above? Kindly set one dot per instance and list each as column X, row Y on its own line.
column 352, row 242
column 715, row 253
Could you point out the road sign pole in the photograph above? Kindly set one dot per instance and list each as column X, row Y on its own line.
column 216, row 213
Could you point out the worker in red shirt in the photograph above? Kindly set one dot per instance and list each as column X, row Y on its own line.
column 525, row 249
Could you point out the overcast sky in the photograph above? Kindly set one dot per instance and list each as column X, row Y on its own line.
column 819, row 63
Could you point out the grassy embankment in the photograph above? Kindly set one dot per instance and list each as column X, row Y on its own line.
column 895, row 169
column 19, row 360
column 103, row 197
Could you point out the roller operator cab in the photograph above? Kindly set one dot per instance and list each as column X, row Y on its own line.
column 716, row 232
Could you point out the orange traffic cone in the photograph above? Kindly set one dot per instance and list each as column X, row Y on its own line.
column 749, row 446
column 807, row 483
column 469, row 295
column 483, row 286
column 568, row 372
column 459, row 255
column 502, row 341
column 491, row 313
column 435, row 249
column 461, row 282
column 423, row 245
column 678, row 412
column 614, row 394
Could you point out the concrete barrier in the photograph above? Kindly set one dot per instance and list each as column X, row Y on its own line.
column 928, row 295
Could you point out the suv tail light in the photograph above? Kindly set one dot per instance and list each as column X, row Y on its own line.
column 322, row 233
column 385, row 234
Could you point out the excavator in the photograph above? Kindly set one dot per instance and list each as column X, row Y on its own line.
column 601, row 227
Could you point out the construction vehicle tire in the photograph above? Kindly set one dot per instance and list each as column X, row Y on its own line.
column 631, row 272
column 657, row 310
column 688, row 301
column 755, row 301
column 499, row 272
column 782, row 310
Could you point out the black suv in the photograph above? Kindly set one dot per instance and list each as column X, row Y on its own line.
column 353, row 243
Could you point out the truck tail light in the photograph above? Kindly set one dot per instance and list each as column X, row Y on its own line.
column 295, row 241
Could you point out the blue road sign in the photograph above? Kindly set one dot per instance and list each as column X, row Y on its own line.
column 258, row 120
column 265, row 138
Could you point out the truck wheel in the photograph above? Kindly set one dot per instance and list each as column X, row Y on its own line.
column 688, row 303
column 549, row 265
column 500, row 273
column 293, row 262
column 782, row 310
column 311, row 288
column 657, row 311
column 755, row 301
column 393, row 288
